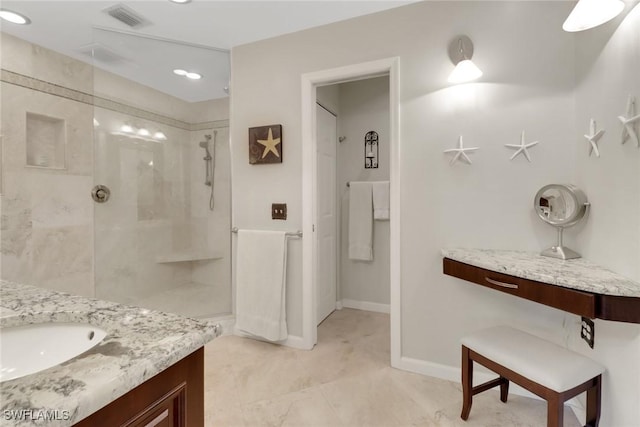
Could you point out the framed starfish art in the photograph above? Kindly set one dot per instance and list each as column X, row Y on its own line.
column 265, row 144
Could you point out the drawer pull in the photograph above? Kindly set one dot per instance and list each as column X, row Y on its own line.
column 501, row 284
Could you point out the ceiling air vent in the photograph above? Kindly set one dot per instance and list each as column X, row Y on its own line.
column 127, row 16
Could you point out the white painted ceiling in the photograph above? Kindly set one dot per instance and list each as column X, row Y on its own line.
column 196, row 36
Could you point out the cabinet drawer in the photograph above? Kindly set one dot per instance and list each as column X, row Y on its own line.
column 570, row 300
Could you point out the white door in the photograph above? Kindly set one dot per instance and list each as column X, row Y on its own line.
column 326, row 134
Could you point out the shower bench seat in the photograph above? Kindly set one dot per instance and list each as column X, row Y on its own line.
column 188, row 257
column 547, row 370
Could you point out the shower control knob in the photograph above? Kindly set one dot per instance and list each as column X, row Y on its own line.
column 100, row 193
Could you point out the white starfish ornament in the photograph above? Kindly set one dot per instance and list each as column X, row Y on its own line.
column 628, row 122
column 460, row 152
column 522, row 147
column 594, row 137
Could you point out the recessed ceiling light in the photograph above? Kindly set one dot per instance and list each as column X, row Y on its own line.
column 126, row 128
column 180, row 72
column 180, row 1
column 14, row 17
column 143, row 132
column 159, row 135
column 194, row 76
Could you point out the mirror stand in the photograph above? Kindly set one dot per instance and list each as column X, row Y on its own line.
column 560, row 251
column 561, row 206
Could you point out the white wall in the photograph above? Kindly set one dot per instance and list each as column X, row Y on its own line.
column 608, row 71
column 528, row 83
column 364, row 106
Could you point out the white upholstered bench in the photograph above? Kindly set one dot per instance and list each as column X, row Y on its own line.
column 544, row 368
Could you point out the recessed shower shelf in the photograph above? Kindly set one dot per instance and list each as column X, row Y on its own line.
column 188, row 256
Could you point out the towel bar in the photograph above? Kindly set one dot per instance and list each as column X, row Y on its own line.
column 288, row 233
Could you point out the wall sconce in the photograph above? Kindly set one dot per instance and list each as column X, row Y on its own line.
column 371, row 150
column 460, row 52
column 591, row 13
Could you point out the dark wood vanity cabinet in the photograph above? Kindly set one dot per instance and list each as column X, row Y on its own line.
column 172, row 398
column 582, row 303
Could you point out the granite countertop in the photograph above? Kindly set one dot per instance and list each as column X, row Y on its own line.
column 140, row 343
column 579, row 274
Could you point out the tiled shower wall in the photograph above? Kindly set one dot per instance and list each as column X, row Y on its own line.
column 47, row 218
column 55, row 236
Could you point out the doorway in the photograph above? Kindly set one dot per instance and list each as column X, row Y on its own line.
column 312, row 193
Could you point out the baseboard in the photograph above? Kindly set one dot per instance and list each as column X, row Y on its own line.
column 454, row 374
column 578, row 409
column 295, row 341
column 365, row 305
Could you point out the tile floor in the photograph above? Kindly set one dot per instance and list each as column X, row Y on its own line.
column 346, row 380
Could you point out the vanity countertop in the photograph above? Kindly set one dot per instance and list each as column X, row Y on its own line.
column 579, row 274
column 140, row 343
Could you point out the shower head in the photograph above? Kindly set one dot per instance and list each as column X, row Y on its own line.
column 205, row 144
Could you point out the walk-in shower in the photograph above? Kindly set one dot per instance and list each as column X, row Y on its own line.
column 73, row 123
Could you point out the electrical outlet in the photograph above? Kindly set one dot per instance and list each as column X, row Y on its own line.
column 588, row 331
column 279, row 211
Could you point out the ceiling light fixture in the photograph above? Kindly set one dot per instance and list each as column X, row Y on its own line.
column 188, row 74
column 460, row 52
column 143, row 132
column 126, row 128
column 180, row 1
column 588, row 14
column 14, row 17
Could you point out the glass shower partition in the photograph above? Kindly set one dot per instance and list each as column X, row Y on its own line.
column 158, row 241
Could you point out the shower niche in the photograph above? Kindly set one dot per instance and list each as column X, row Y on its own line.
column 46, row 141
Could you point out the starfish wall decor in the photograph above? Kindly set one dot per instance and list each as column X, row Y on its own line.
column 594, row 138
column 265, row 144
column 522, row 147
column 629, row 122
column 460, row 152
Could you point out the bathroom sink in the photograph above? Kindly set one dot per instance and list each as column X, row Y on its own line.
column 28, row 349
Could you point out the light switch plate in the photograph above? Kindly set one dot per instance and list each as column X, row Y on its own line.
column 279, row 211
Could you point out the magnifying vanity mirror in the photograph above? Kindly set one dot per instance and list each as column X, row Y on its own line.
column 561, row 206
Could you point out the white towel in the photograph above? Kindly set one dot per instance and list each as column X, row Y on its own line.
column 260, row 283
column 380, row 200
column 360, row 221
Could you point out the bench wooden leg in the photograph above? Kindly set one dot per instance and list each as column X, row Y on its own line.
column 593, row 402
column 467, row 383
column 504, row 389
column 555, row 412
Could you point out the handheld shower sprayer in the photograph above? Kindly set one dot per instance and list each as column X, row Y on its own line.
column 209, row 162
column 207, row 159
column 205, row 145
